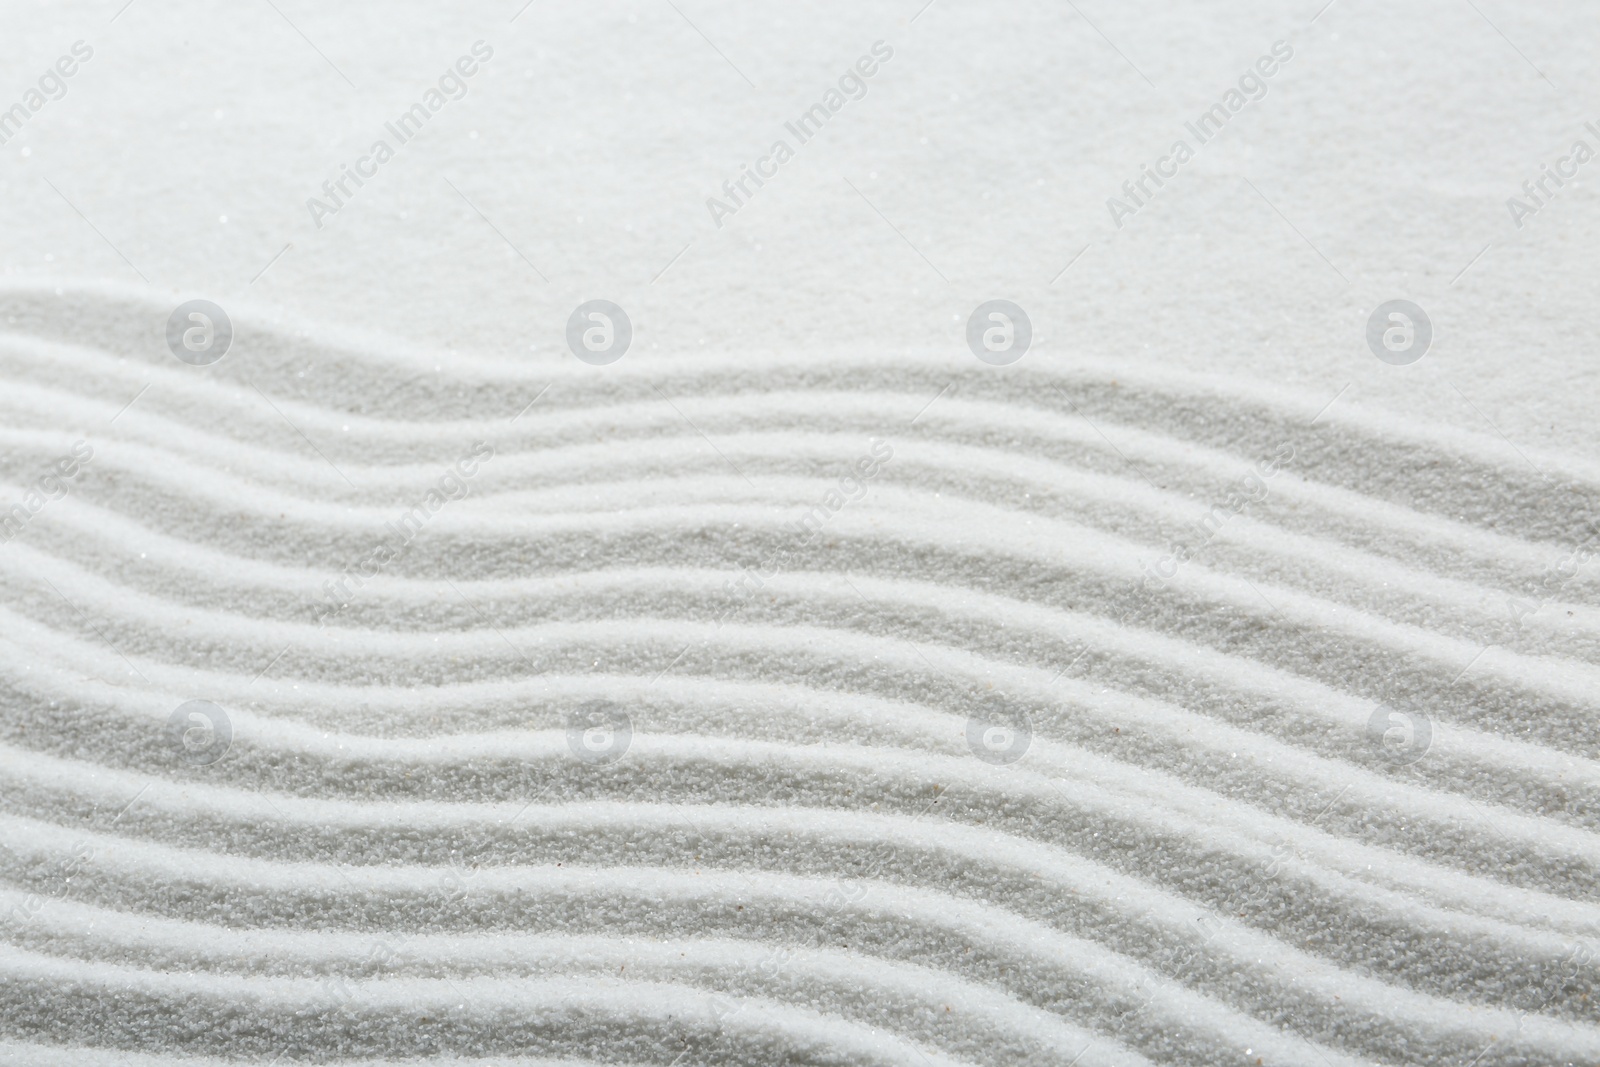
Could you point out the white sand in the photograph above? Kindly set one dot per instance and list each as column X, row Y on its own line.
column 1198, row 688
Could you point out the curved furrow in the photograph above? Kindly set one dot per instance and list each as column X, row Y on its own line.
column 110, row 737
column 974, row 938
column 1562, row 860
column 680, row 470
column 820, row 707
column 401, row 1017
column 975, row 1023
column 1530, row 851
column 1209, row 475
column 897, row 606
column 1255, row 872
column 1041, row 560
column 1223, row 477
column 1435, row 469
column 33, row 1054
column 248, row 639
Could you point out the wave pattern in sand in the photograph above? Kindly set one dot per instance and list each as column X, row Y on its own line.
column 356, row 707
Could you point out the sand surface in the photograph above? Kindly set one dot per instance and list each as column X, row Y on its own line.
column 398, row 664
